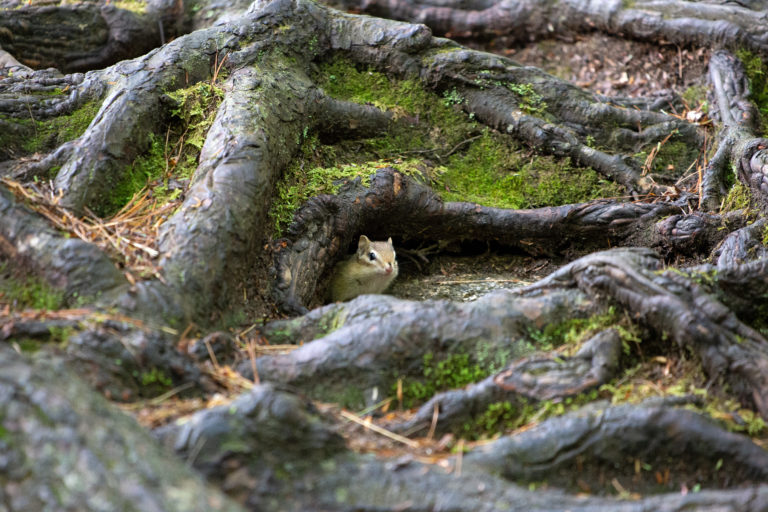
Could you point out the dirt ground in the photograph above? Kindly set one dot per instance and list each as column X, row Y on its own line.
column 611, row 66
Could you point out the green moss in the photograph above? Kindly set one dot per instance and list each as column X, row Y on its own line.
column 737, row 418
column 28, row 345
column 739, row 198
column 675, row 156
column 464, row 161
column 230, row 320
column 705, row 278
column 498, row 417
column 22, row 292
column 342, row 80
column 502, row 417
column 149, row 166
column 331, row 322
column 196, row 108
column 671, row 156
column 575, row 330
column 154, row 381
column 439, row 124
column 296, row 331
column 494, row 173
column 342, row 392
column 757, row 72
column 58, row 130
column 193, row 114
column 300, row 182
column 696, row 97
column 60, row 334
column 454, row 371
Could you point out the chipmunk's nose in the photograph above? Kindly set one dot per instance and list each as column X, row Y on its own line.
column 389, row 268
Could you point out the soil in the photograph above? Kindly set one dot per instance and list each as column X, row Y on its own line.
column 464, row 278
column 611, row 66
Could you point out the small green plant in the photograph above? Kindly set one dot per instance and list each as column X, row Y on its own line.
column 531, row 102
column 155, row 377
column 452, row 97
column 313, row 46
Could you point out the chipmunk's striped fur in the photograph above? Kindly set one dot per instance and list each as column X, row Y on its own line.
column 370, row 270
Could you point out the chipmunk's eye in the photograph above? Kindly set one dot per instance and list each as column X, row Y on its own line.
column 372, row 256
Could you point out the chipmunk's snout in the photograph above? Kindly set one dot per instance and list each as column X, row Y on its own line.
column 388, row 270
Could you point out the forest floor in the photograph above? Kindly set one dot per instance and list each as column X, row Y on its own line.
column 611, row 66
column 603, row 64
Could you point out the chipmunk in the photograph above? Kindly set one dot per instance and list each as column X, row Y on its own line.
column 370, row 270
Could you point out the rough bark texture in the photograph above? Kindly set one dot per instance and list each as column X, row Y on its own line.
column 687, row 23
column 65, row 448
column 62, row 447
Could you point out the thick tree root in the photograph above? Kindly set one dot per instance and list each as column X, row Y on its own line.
column 355, row 353
column 364, row 354
column 739, row 142
column 678, row 309
column 78, row 268
column 535, row 378
column 655, row 446
column 600, row 440
column 85, row 36
column 685, row 23
column 65, row 447
column 325, row 227
column 270, row 100
column 668, row 303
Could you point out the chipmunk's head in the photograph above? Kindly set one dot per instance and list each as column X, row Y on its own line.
column 377, row 255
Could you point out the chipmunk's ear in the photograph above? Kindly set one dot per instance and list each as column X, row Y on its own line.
column 389, row 240
column 363, row 243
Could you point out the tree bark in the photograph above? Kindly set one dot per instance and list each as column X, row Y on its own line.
column 270, row 448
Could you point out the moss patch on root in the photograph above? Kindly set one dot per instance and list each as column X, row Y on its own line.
column 173, row 155
column 462, row 159
column 21, row 291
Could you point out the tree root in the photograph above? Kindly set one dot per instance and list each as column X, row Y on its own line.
column 537, row 378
